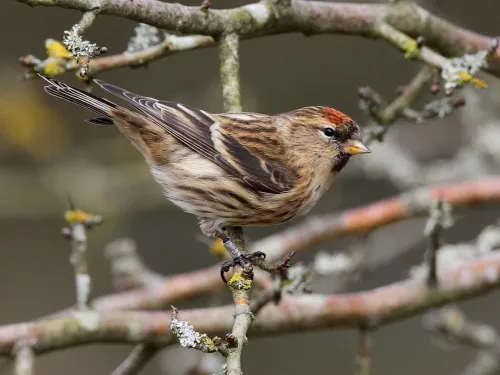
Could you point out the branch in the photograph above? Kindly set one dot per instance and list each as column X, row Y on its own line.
column 364, row 356
column 230, row 72
column 294, row 313
column 79, row 221
column 439, row 219
column 317, row 230
column 308, row 17
column 386, row 114
column 304, row 236
column 24, row 358
column 451, row 324
column 136, row 360
column 170, row 45
column 127, row 267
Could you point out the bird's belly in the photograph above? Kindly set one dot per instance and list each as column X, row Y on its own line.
column 208, row 192
column 200, row 187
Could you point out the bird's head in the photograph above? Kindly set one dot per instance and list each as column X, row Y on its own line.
column 325, row 136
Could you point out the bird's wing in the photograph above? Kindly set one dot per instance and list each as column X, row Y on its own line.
column 236, row 144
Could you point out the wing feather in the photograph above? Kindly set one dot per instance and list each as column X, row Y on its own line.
column 216, row 138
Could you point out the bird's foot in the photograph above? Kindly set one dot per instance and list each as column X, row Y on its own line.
column 243, row 260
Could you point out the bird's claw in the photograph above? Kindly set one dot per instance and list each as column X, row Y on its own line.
column 244, row 260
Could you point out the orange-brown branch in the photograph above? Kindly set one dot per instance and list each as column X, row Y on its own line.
column 304, row 236
column 317, row 230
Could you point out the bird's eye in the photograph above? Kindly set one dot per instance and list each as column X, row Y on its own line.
column 329, row 132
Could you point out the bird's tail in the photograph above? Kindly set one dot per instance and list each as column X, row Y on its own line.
column 145, row 135
column 84, row 99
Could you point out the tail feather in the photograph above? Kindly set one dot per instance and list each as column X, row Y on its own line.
column 82, row 98
column 100, row 121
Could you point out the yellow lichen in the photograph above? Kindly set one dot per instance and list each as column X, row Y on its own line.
column 455, row 319
column 55, row 48
column 208, row 342
column 53, row 67
column 466, row 77
column 77, row 216
column 411, row 49
column 239, row 282
column 217, row 249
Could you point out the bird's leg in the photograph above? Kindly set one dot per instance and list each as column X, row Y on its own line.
column 232, row 238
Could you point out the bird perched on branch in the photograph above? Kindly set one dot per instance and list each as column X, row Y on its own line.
column 230, row 170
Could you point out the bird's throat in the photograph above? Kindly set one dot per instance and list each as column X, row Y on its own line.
column 339, row 162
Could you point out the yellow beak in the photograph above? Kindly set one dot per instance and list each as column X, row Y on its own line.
column 354, row 147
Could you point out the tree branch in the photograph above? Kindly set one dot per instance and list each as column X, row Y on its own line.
column 24, row 357
column 304, row 236
column 294, row 313
column 230, row 72
column 308, row 17
column 317, row 230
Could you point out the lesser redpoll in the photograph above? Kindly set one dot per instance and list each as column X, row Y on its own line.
column 230, row 169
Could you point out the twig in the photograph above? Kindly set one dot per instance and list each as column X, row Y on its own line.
column 87, row 20
column 136, row 360
column 453, row 325
column 24, row 358
column 240, row 283
column 127, row 268
column 439, row 218
column 485, row 363
column 242, row 319
column 410, row 45
column 364, row 356
column 230, row 73
column 170, row 45
column 79, row 221
column 387, row 114
column 81, row 49
column 410, row 93
column 188, row 337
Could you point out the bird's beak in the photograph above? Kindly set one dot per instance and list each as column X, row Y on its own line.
column 354, row 147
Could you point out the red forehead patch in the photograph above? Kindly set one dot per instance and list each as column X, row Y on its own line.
column 335, row 117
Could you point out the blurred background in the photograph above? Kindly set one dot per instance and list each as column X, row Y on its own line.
column 48, row 152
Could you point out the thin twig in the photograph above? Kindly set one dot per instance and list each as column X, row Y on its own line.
column 136, row 360
column 439, row 219
column 364, row 355
column 24, row 358
column 171, row 45
column 453, row 326
column 240, row 285
column 81, row 49
column 79, row 221
column 410, row 45
column 87, row 19
column 410, row 93
column 230, row 72
column 127, row 267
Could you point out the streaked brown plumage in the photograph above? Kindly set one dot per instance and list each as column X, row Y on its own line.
column 231, row 169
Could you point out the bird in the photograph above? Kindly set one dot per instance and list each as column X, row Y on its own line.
column 230, row 170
